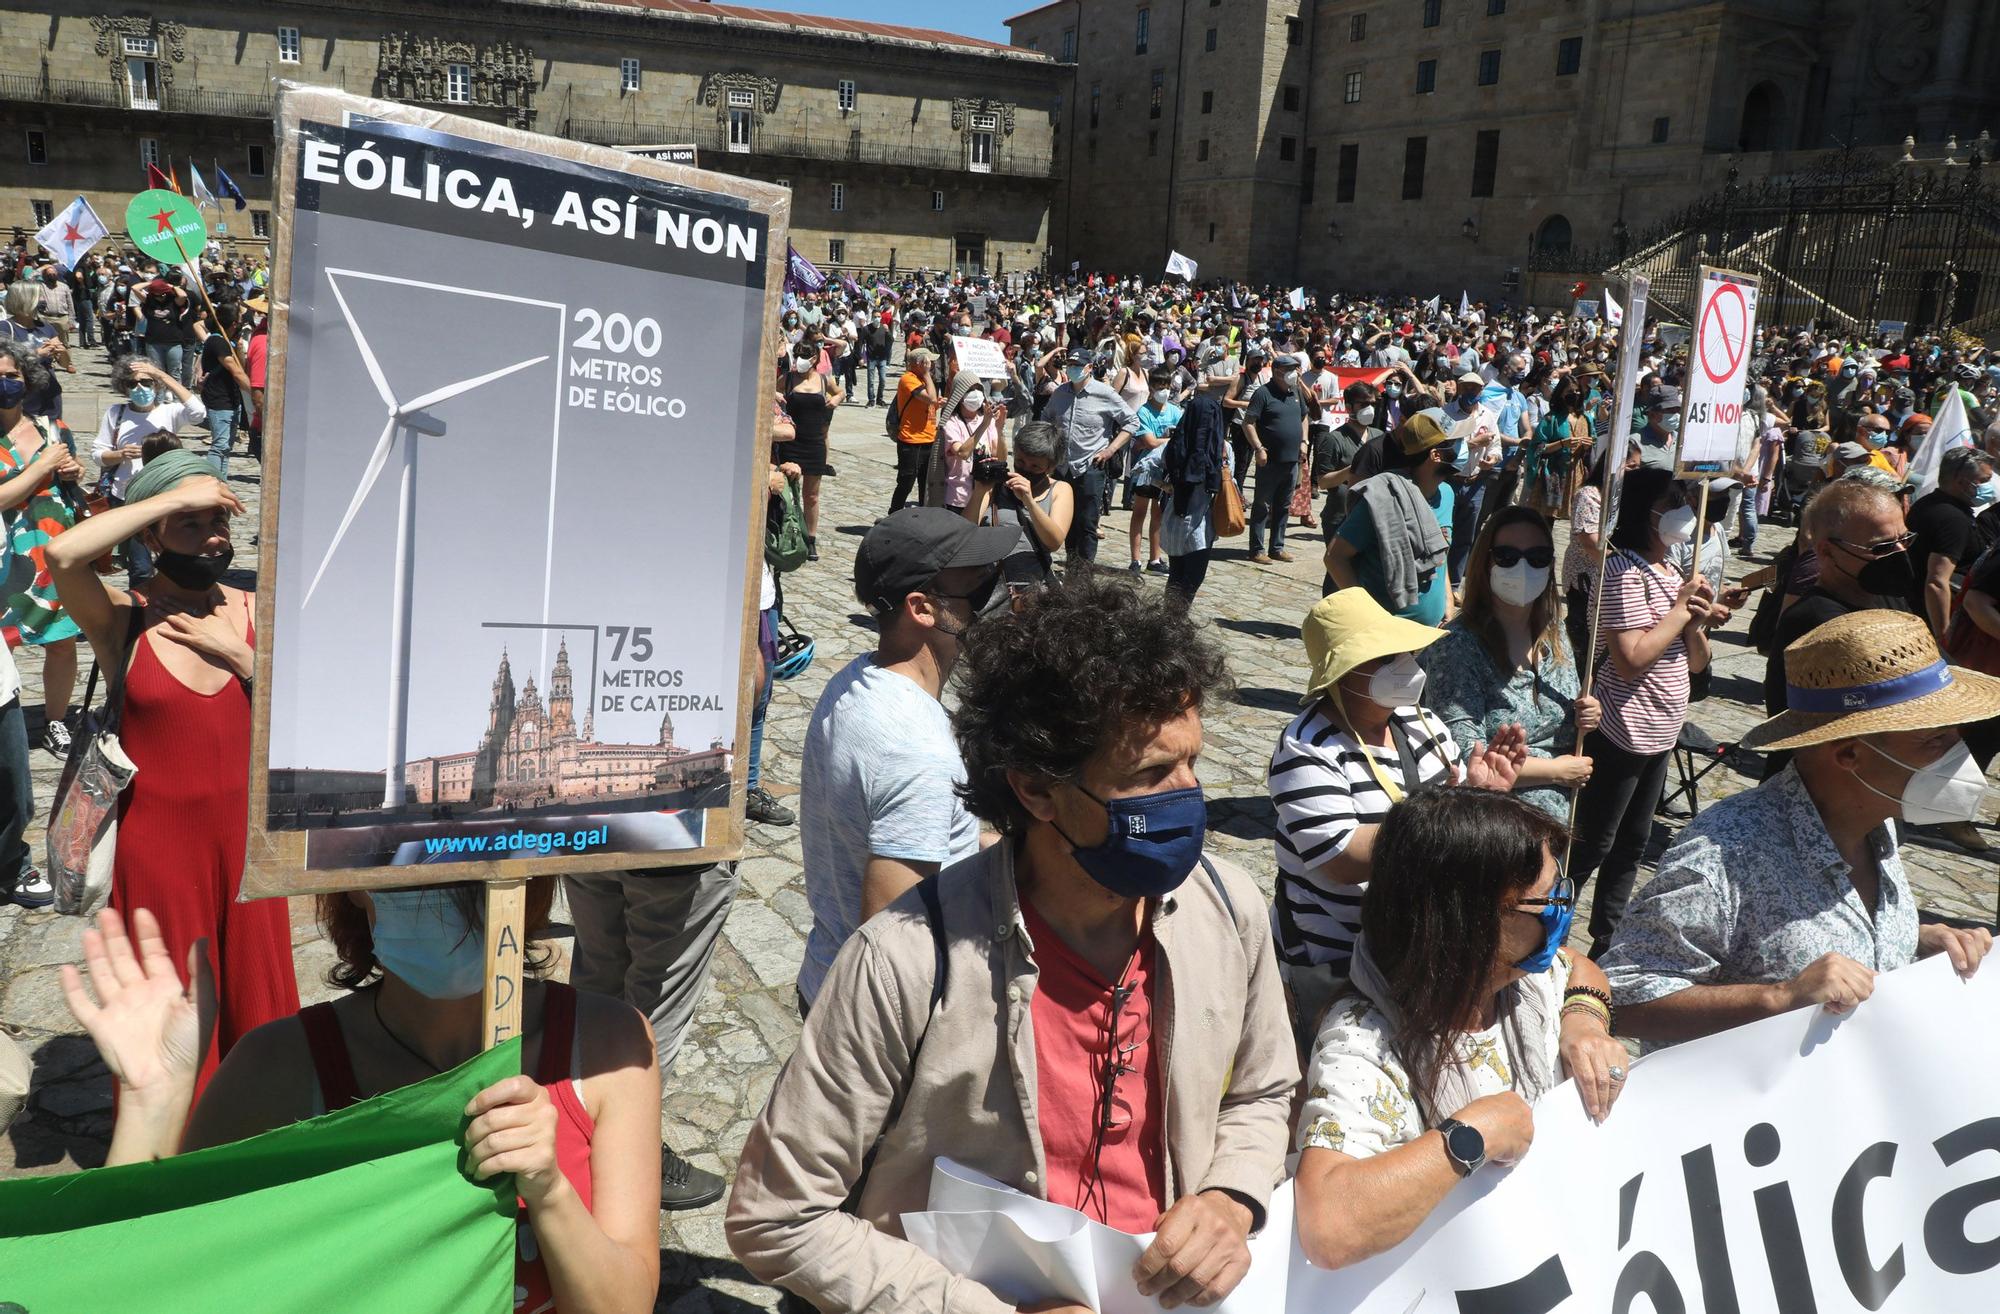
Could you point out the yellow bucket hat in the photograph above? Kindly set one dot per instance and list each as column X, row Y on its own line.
column 1348, row 628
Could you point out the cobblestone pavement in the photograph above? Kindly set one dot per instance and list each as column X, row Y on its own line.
column 747, row 1024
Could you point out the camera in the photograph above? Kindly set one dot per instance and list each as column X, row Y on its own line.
column 989, row 470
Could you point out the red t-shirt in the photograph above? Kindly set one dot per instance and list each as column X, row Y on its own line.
column 1121, row 1182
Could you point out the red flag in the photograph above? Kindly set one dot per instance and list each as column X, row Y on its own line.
column 154, row 178
column 173, row 178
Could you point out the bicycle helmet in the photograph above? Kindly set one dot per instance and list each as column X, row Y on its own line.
column 795, row 655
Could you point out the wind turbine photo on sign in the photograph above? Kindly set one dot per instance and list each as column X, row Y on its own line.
column 414, row 420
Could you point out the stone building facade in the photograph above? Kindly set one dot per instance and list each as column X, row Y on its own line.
column 904, row 147
column 1437, row 143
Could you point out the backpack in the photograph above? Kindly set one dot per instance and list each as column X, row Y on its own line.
column 785, row 532
column 892, row 419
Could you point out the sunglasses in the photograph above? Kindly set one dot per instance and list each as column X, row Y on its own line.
column 1888, row 547
column 1541, row 558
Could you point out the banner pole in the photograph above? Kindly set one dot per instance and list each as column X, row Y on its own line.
column 202, row 288
column 500, row 1000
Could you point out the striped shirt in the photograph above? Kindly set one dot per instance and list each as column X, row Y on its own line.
column 1642, row 715
column 1323, row 790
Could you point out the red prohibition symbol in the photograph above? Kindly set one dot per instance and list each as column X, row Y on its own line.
column 1716, row 322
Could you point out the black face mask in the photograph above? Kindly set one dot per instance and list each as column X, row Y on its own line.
column 192, row 572
column 1889, row 576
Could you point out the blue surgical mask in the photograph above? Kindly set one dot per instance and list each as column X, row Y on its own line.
column 1153, row 842
column 422, row 937
column 1555, row 919
column 1984, row 494
column 142, row 395
column 13, row 391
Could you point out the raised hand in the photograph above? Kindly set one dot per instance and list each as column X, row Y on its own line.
column 151, row 1031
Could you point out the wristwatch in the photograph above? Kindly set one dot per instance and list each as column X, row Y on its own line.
column 1464, row 1145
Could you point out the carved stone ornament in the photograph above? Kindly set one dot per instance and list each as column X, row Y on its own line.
column 963, row 108
column 170, row 40
column 715, row 89
column 418, row 68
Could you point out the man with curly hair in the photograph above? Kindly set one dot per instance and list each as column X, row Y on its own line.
column 1088, row 1010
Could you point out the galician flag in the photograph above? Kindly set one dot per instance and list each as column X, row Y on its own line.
column 1464, row 306
column 1180, row 266
column 1614, row 314
column 1296, row 298
column 367, row 1200
column 72, row 233
column 1950, row 429
column 1435, row 304
column 202, row 196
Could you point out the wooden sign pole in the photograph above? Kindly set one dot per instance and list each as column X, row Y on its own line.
column 506, row 952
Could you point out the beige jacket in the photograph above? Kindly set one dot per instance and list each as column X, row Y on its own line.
column 1222, row 1040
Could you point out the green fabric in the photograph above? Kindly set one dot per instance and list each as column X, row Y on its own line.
column 171, row 467
column 367, row 1208
column 785, row 543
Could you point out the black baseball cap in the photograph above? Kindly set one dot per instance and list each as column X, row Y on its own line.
column 902, row 554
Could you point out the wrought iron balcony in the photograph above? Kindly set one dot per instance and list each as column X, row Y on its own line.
column 797, row 141
column 110, row 94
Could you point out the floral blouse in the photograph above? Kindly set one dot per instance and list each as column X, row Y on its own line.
column 1474, row 697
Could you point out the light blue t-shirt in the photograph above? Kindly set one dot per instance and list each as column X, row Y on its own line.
column 879, row 777
column 1359, row 530
column 1147, row 466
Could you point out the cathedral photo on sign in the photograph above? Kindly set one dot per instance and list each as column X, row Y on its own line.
column 533, row 756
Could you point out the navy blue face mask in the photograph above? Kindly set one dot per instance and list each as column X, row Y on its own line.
column 1555, row 915
column 1152, row 843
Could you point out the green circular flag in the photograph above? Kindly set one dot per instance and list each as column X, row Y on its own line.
column 166, row 225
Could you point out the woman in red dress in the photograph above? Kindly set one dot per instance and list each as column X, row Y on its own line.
column 186, row 647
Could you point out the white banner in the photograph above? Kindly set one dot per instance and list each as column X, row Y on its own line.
column 1180, row 266
column 1805, row 1162
column 1718, row 366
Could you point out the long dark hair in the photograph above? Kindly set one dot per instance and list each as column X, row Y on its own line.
column 1447, row 863
column 346, row 928
column 1475, row 607
column 1642, row 488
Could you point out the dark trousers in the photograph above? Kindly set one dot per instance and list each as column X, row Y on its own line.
column 1239, row 453
column 1329, row 525
column 913, row 463
column 1614, row 818
column 1087, row 482
column 1185, row 574
column 1467, row 513
column 1271, row 505
column 17, row 797
column 1576, row 625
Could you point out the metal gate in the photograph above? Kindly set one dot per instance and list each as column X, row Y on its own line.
column 1846, row 246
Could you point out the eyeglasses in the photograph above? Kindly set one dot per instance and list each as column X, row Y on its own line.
column 1887, row 547
column 977, row 598
column 1114, row 1115
column 1561, row 895
column 1541, row 558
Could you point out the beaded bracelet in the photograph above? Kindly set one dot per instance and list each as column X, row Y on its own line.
column 1591, row 992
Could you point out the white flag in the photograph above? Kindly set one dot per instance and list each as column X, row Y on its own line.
column 1434, row 305
column 72, row 233
column 1614, row 314
column 202, row 196
column 1464, row 306
column 1950, row 429
column 1297, row 298
column 1180, row 266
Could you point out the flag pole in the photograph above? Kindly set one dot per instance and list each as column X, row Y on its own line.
column 202, row 288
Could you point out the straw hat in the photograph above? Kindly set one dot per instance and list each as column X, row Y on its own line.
column 1869, row 673
column 1348, row 628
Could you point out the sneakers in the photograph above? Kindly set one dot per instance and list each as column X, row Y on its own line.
column 32, row 890
column 761, row 807
column 55, row 738
column 1135, row 569
column 1159, row 568
column 812, row 547
column 684, row 1186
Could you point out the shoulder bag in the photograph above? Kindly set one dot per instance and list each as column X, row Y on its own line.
column 1225, row 513
column 83, row 823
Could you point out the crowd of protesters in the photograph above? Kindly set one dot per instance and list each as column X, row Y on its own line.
column 1000, row 813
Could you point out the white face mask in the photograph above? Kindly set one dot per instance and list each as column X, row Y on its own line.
column 1365, row 416
column 1160, row 396
column 1949, row 789
column 973, row 401
column 1398, row 682
column 1520, row 583
column 1677, row 525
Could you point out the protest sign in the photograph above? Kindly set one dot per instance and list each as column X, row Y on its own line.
column 1892, row 328
column 983, row 356
column 166, row 226
column 298, row 1218
column 683, row 153
column 1807, row 1161
column 459, row 676
column 1333, row 411
column 1718, row 367
column 1583, row 309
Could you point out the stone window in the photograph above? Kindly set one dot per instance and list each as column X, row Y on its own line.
column 1357, row 27
column 1553, row 235
column 1156, row 94
column 1207, row 102
column 1350, row 166
column 1144, row 24
column 838, row 197
column 1208, row 42
column 836, row 250
column 1153, row 142
column 1495, row 8
column 45, row 212
column 149, row 151
column 1433, row 12
column 1352, row 94
column 38, row 146
column 142, row 71
column 1485, row 161
column 458, row 84
column 1414, row 151
column 846, row 94
column 254, row 160
column 1211, row 231
column 260, row 223
column 288, row 45
column 1096, row 102
column 1489, row 67
column 1660, row 126
column 937, row 201
column 1201, row 149
column 1290, row 100
column 1069, row 45
column 1427, row 76
column 742, row 115
column 1569, row 56
column 628, row 75
column 980, row 143
column 1288, row 148
column 1294, row 31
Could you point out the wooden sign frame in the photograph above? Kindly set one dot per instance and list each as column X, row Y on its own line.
column 276, row 862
